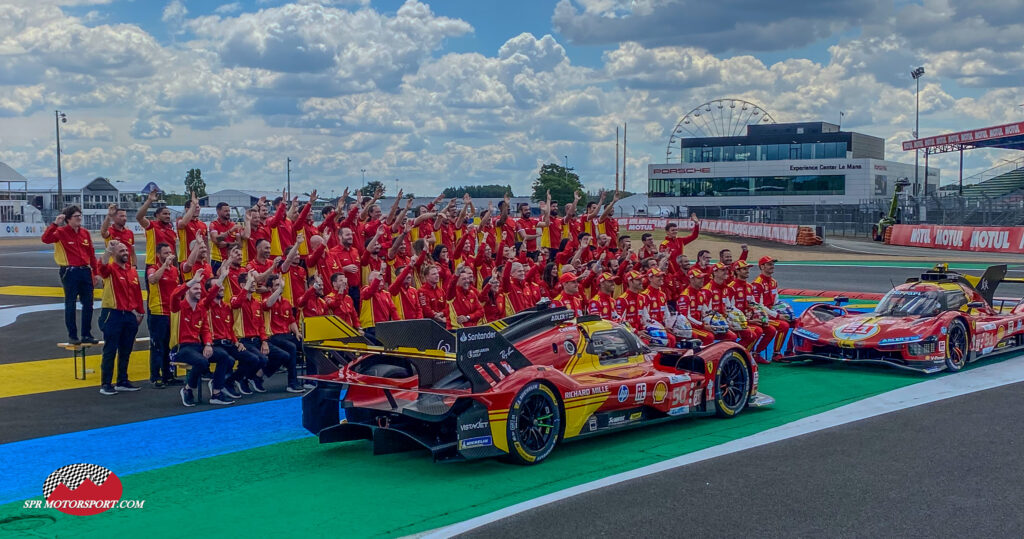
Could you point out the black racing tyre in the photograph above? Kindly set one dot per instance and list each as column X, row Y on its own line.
column 958, row 346
column 732, row 385
column 534, row 424
column 385, row 370
column 875, row 235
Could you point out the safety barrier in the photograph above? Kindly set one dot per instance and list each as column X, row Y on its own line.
column 787, row 234
column 986, row 239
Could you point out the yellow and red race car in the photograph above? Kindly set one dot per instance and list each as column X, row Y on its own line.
column 939, row 322
column 512, row 388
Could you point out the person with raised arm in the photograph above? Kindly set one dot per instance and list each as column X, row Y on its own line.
column 113, row 228
column 120, row 316
column 157, row 230
column 73, row 251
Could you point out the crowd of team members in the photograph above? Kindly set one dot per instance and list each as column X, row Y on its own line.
column 233, row 295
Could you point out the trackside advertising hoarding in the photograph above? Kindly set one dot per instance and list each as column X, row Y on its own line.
column 780, row 233
column 985, row 239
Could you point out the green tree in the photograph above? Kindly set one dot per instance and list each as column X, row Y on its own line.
column 561, row 182
column 174, row 199
column 410, row 195
column 478, row 191
column 194, row 182
column 372, row 186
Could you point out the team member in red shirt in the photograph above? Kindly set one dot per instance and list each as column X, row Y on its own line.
column 348, row 257
column 647, row 247
column 630, row 303
column 521, row 294
column 720, row 298
column 159, row 230
column 162, row 278
column 284, row 334
column 193, row 341
column 223, row 235
column 655, row 299
column 743, row 294
column 603, row 304
column 431, row 295
column 339, row 302
column 119, row 319
column 673, row 244
column 570, row 297
column 375, row 305
column 113, row 228
column 526, row 228
column 73, row 252
column 312, row 302
column 222, row 328
column 765, row 290
column 496, row 305
column 464, row 309
column 693, row 304
column 404, row 295
column 190, row 228
column 247, row 313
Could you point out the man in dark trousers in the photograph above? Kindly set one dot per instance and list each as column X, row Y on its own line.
column 122, row 312
column 73, row 251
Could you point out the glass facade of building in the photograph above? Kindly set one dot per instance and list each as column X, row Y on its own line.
column 748, row 186
column 765, row 152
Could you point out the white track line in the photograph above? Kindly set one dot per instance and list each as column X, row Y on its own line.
column 979, row 379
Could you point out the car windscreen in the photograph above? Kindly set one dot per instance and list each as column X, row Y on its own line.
column 910, row 303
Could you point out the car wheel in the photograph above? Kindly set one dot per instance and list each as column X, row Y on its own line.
column 534, row 424
column 958, row 346
column 732, row 385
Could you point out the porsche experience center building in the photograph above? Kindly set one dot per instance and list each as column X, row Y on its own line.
column 793, row 164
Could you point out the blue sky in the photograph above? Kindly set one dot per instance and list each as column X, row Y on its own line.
column 463, row 91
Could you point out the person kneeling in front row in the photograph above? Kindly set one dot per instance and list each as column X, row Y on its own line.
column 192, row 341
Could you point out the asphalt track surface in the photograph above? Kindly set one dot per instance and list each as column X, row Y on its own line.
column 828, row 482
column 948, row 469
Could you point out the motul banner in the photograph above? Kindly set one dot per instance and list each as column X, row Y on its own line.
column 987, row 239
column 780, row 233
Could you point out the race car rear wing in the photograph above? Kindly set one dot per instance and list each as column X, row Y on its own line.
column 985, row 284
column 481, row 353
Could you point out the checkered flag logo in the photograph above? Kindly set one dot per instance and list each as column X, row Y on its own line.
column 73, row 475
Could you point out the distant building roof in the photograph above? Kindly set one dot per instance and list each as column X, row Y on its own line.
column 9, row 174
column 70, row 184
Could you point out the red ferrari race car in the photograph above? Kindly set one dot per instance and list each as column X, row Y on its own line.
column 941, row 321
column 513, row 388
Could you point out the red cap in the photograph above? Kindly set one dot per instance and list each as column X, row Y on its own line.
column 634, row 275
column 719, row 266
column 740, row 264
column 605, row 277
column 654, row 272
column 766, row 259
column 566, row 277
column 696, row 273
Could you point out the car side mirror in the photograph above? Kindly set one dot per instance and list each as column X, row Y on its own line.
column 840, row 300
column 691, row 344
column 976, row 305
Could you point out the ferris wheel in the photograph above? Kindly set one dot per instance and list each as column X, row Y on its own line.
column 719, row 118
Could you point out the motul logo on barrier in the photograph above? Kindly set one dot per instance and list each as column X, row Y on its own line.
column 949, row 238
column 921, row 235
column 990, row 239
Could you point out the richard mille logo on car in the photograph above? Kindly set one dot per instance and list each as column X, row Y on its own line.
column 586, row 391
column 641, row 392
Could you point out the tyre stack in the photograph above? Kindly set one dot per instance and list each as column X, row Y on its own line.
column 806, row 236
column 888, row 235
